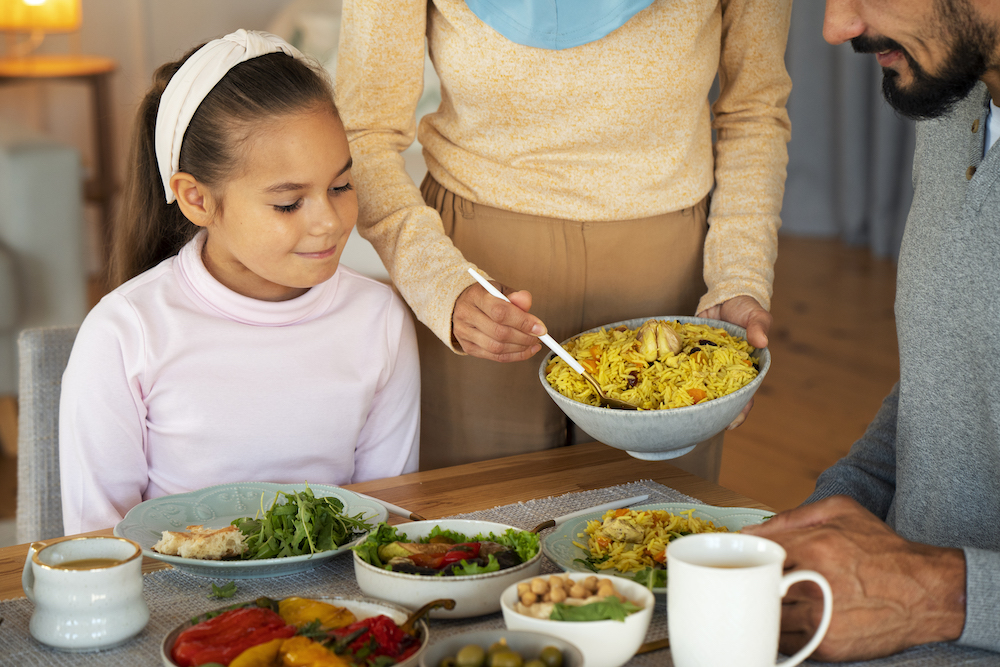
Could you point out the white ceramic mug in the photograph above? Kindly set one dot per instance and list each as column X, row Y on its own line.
column 87, row 592
column 724, row 595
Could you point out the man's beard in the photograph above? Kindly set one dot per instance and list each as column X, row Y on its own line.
column 931, row 96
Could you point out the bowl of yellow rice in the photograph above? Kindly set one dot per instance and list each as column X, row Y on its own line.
column 690, row 382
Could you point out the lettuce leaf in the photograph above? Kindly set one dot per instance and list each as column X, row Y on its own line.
column 466, row 568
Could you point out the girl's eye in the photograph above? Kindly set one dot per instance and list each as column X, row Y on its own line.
column 343, row 188
column 290, row 208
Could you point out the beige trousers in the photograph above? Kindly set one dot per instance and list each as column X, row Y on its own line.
column 580, row 275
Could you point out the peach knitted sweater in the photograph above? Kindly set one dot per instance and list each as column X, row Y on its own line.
column 616, row 129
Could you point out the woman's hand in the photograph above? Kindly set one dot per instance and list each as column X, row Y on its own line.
column 743, row 311
column 490, row 328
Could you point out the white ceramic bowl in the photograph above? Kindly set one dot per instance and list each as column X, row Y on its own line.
column 361, row 607
column 528, row 644
column 474, row 595
column 655, row 435
column 603, row 643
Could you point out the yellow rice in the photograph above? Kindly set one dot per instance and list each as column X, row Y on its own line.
column 660, row 527
column 711, row 364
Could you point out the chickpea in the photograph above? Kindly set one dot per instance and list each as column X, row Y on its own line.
column 555, row 581
column 539, row 586
column 547, row 597
column 523, row 588
column 605, row 589
column 578, row 591
column 529, row 599
column 590, row 583
column 558, row 594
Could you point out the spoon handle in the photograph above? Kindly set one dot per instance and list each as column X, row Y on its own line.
column 545, row 338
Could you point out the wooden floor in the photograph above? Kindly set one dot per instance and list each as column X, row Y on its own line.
column 834, row 358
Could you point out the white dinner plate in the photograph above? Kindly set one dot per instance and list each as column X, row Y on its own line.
column 217, row 507
column 559, row 548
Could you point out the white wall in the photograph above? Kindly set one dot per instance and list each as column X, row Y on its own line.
column 140, row 35
column 143, row 34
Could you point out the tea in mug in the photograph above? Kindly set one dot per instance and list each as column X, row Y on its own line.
column 88, row 563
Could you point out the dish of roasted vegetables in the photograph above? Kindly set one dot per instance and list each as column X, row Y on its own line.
column 447, row 553
column 320, row 632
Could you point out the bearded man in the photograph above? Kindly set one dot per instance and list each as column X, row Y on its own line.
column 907, row 526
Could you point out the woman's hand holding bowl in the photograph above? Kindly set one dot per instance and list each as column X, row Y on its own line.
column 743, row 311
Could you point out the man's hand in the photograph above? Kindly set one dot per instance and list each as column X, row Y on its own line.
column 888, row 593
column 490, row 328
column 743, row 311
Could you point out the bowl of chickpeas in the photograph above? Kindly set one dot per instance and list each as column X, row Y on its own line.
column 605, row 617
column 502, row 648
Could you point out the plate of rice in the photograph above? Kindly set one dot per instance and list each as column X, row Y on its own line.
column 689, row 376
column 633, row 542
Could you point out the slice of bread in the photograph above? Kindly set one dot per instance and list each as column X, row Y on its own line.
column 202, row 543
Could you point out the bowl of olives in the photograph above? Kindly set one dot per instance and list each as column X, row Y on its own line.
column 502, row 648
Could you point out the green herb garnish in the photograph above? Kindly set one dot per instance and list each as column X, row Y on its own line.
column 224, row 591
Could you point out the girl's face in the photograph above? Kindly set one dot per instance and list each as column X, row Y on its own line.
column 287, row 214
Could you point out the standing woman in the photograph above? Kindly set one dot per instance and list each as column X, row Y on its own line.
column 571, row 159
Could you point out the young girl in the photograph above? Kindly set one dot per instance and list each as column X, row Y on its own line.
column 236, row 349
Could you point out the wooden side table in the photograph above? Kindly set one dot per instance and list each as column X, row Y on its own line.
column 96, row 72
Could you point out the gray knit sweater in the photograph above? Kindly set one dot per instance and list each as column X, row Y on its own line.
column 929, row 464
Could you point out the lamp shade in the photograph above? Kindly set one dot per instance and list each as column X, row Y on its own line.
column 40, row 15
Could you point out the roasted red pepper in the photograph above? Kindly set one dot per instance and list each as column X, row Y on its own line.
column 379, row 636
column 457, row 553
column 224, row 637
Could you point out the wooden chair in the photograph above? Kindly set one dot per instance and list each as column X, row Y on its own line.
column 42, row 353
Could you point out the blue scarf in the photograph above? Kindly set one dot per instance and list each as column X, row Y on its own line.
column 555, row 24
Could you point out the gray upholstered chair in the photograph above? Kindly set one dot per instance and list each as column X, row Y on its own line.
column 42, row 353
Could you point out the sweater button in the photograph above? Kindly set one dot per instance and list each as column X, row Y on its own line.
column 975, row 126
column 969, row 173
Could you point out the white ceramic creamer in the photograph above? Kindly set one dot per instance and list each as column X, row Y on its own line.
column 87, row 592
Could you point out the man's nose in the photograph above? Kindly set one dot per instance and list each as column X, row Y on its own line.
column 841, row 22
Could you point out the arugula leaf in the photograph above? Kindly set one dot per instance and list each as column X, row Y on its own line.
column 303, row 524
column 610, row 608
column 224, row 591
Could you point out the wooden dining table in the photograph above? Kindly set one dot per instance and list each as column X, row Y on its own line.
column 483, row 485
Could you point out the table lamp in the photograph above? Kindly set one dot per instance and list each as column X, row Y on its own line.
column 37, row 17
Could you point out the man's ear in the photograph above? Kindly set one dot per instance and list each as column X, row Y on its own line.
column 193, row 197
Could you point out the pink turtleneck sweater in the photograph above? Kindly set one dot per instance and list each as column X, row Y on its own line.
column 176, row 383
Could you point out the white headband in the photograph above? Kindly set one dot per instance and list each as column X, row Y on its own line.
column 194, row 81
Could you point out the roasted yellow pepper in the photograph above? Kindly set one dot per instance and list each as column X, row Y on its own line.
column 304, row 652
column 261, row 655
column 300, row 612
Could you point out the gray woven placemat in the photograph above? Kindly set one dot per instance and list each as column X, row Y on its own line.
column 174, row 596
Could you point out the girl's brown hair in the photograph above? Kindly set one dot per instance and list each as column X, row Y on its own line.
column 147, row 230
